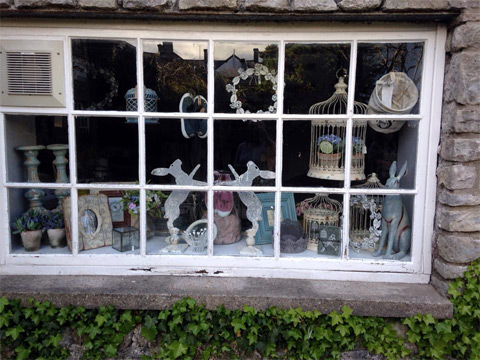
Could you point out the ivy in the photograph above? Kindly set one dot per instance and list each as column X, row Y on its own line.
column 190, row 331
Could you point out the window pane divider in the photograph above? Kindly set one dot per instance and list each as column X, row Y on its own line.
column 210, row 144
column 141, row 148
column 5, row 249
column 10, row 110
column 348, row 150
column 104, row 113
column 279, row 152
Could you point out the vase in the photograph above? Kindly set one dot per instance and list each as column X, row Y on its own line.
column 56, row 237
column 150, row 225
column 31, row 239
column 34, row 196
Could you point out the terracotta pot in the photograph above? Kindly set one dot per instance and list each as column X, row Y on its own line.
column 31, row 239
column 329, row 160
column 56, row 237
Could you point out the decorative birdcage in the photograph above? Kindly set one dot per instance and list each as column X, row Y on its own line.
column 150, row 101
column 319, row 211
column 366, row 215
column 328, row 138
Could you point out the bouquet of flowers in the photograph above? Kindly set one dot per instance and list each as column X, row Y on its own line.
column 154, row 202
column 357, row 145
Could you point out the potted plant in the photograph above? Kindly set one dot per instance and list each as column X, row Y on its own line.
column 329, row 149
column 154, row 203
column 358, row 146
column 52, row 222
column 29, row 226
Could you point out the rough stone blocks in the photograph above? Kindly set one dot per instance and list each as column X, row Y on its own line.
column 460, row 249
column 457, row 176
column 462, row 81
column 460, row 149
column 266, row 5
column 404, row 5
column 207, row 5
column 144, row 4
column 43, row 3
column 98, row 4
column 458, row 219
column 359, row 5
column 315, row 5
column 449, row 271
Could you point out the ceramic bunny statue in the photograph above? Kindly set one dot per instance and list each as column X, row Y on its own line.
column 395, row 222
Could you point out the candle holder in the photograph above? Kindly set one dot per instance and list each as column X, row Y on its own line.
column 34, row 196
column 60, row 162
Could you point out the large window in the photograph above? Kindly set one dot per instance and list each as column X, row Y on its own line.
column 229, row 151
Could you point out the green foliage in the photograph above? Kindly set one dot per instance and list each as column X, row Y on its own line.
column 190, row 331
column 29, row 221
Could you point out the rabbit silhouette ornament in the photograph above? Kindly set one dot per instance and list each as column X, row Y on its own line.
column 395, row 223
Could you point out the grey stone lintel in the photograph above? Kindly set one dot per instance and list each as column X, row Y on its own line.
column 153, row 292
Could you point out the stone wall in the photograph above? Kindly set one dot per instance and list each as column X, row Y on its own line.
column 458, row 197
column 457, row 239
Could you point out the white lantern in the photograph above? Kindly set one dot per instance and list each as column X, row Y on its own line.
column 328, row 138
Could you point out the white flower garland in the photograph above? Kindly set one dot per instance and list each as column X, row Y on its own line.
column 259, row 70
column 375, row 232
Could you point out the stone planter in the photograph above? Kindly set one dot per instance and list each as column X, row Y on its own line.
column 56, row 237
column 31, row 239
column 329, row 160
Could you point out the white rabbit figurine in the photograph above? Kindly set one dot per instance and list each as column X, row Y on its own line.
column 395, row 222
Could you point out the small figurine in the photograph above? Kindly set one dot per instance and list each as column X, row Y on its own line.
column 176, row 198
column 251, row 201
column 395, row 222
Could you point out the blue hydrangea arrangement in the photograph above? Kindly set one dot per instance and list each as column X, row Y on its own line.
column 53, row 220
column 29, row 221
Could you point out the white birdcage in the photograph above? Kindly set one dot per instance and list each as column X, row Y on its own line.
column 327, row 146
column 317, row 211
column 365, row 215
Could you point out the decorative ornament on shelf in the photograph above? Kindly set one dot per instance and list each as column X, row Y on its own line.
column 395, row 94
column 257, row 72
column 366, row 216
column 251, row 201
column 60, row 163
column 319, row 211
column 174, row 200
column 34, row 196
column 328, row 137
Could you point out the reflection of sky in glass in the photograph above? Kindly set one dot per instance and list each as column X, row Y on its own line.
column 242, row 50
column 185, row 49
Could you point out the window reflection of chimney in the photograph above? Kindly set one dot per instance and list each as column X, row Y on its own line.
column 255, row 55
column 205, row 56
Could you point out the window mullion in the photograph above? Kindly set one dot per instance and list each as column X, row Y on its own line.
column 348, row 148
column 279, row 150
column 141, row 149
column 210, row 157
column 5, row 226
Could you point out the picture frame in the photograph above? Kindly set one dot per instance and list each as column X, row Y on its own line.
column 119, row 216
column 264, row 234
column 94, row 222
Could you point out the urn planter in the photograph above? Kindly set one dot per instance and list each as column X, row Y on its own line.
column 31, row 239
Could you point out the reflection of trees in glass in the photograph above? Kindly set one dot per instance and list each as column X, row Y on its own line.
column 376, row 60
column 310, row 73
column 171, row 78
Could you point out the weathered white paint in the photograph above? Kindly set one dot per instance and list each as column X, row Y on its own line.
column 344, row 268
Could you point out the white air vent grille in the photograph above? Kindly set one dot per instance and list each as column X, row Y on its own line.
column 29, row 73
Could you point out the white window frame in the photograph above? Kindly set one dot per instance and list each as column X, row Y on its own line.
column 417, row 270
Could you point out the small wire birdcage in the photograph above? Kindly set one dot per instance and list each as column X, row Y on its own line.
column 317, row 211
column 150, row 101
column 328, row 137
column 361, row 217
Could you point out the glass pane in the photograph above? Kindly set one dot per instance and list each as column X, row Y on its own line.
column 175, row 76
column 314, row 153
column 318, row 231
column 37, row 148
column 247, row 146
column 389, row 77
column 107, row 150
column 179, row 147
column 103, row 72
column 236, row 214
column 315, row 78
column 33, row 210
column 381, row 150
column 377, row 217
column 246, row 77
column 187, row 212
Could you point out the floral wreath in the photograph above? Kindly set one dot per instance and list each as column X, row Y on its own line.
column 258, row 70
column 375, row 215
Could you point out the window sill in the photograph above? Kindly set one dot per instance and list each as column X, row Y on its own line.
column 158, row 292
